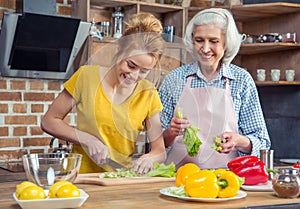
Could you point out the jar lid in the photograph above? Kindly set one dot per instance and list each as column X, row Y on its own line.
column 292, row 171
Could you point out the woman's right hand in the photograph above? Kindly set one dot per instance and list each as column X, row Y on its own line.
column 178, row 125
column 176, row 128
column 96, row 149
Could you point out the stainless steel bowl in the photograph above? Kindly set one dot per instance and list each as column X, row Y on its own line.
column 46, row 169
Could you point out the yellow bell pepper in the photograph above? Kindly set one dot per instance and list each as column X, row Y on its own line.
column 228, row 182
column 184, row 172
column 202, row 184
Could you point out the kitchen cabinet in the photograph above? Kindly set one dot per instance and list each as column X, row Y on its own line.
column 257, row 19
column 101, row 10
column 252, row 19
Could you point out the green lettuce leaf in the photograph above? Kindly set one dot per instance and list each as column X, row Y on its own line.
column 159, row 170
column 162, row 170
column 190, row 137
column 191, row 140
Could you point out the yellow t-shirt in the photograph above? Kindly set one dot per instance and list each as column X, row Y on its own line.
column 118, row 125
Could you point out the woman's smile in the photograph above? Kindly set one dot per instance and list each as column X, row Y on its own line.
column 128, row 79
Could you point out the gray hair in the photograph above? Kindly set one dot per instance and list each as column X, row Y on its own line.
column 223, row 18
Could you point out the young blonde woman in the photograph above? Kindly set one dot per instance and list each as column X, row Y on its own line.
column 113, row 104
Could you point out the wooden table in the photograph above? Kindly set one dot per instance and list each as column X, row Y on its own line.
column 147, row 196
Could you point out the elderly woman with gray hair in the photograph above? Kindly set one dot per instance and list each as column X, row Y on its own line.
column 214, row 95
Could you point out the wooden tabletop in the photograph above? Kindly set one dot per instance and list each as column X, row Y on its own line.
column 147, row 196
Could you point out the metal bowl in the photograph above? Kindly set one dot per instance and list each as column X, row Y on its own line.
column 46, row 169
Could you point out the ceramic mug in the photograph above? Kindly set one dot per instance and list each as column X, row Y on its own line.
column 247, row 39
column 243, row 37
column 261, row 74
column 275, row 74
column 290, row 75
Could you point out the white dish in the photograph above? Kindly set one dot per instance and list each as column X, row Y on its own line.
column 53, row 203
column 259, row 188
column 166, row 191
column 289, row 161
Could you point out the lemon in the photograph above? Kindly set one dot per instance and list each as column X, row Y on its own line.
column 20, row 187
column 55, row 187
column 32, row 192
column 67, row 191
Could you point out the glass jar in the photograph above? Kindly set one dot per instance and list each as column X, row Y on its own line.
column 287, row 183
column 118, row 22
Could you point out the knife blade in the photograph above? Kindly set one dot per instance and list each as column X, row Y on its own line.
column 114, row 163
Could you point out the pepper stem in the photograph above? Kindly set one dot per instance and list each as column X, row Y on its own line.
column 223, row 183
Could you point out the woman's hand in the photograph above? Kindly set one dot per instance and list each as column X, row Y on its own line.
column 178, row 125
column 96, row 149
column 145, row 163
column 176, row 128
column 230, row 140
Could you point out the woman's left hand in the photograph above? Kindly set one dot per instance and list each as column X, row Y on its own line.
column 229, row 141
column 145, row 163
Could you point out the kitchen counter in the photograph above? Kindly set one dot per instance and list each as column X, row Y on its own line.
column 7, row 174
column 148, row 196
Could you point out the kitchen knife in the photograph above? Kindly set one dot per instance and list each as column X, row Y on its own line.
column 114, row 163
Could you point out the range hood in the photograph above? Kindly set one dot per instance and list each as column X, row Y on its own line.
column 40, row 46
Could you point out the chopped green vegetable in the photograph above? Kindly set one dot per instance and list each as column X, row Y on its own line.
column 190, row 137
column 179, row 113
column 215, row 145
column 160, row 169
column 119, row 173
column 178, row 191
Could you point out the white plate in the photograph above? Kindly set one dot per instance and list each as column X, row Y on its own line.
column 53, row 203
column 166, row 191
column 289, row 161
column 259, row 188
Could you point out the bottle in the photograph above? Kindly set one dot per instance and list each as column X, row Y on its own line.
column 93, row 29
column 118, row 22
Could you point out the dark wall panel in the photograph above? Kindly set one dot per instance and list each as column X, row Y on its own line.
column 281, row 106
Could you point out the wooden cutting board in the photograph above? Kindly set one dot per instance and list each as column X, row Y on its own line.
column 93, row 178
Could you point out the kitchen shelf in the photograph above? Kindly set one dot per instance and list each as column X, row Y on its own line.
column 250, row 12
column 276, row 83
column 258, row 48
column 253, row 19
column 111, row 4
column 145, row 6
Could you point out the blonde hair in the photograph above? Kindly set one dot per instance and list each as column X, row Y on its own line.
column 225, row 20
column 143, row 22
column 142, row 33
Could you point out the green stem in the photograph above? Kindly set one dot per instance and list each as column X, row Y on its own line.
column 223, row 183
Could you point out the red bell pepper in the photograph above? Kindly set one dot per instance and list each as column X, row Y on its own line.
column 251, row 168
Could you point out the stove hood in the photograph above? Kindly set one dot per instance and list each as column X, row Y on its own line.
column 40, row 46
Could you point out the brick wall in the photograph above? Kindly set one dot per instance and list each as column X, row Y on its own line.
column 23, row 103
